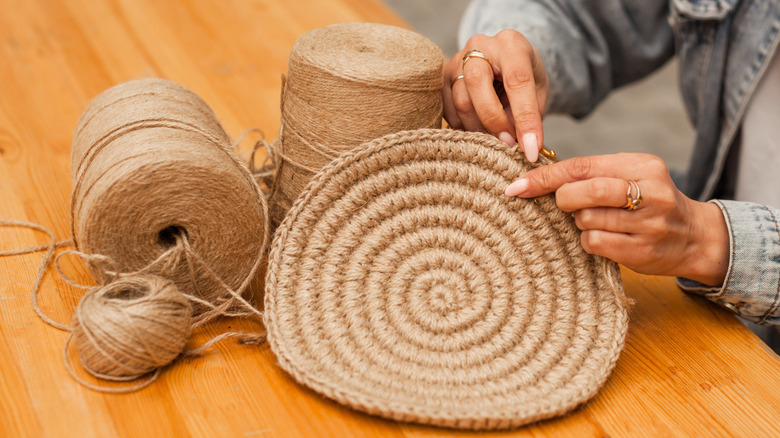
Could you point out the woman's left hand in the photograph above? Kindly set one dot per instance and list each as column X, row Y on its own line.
column 668, row 234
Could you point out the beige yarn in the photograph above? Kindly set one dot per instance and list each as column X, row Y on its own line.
column 151, row 167
column 403, row 283
column 131, row 326
column 347, row 84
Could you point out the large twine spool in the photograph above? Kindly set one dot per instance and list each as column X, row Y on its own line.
column 170, row 223
column 152, row 165
column 347, row 84
column 403, row 283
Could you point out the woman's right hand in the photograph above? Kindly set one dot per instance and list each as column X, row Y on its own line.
column 505, row 97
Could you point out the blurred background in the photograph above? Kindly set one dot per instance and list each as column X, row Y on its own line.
column 647, row 116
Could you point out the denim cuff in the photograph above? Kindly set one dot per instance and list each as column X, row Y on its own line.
column 752, row 285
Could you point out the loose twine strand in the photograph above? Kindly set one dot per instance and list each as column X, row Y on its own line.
column 43, row 268
column 263, row 174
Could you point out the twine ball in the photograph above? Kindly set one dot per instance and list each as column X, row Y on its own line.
column 403, row 283
column 347, row 84
column 152, row 165
column 131, row 326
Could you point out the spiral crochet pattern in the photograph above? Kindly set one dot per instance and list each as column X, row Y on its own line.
column 403, row 283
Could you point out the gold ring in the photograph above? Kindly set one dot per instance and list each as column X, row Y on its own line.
column 633, row 196
column 456, row 78
column 476, row 54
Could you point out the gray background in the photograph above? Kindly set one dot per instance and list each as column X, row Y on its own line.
column 647, row 116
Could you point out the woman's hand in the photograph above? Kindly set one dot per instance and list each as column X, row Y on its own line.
column 668, row 234
column 505, row 97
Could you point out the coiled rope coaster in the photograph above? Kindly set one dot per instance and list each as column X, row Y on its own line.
column 403, row 283
column 346, row 84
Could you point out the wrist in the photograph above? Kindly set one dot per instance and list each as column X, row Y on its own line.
column 707, row 255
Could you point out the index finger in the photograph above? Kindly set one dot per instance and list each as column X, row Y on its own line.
column 519, row 79
column 547, row 179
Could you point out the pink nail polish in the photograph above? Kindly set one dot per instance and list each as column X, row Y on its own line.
column 517, row 187
column 531, row 146
column 507, row 138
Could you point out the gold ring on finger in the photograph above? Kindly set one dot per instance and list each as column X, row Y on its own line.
column 633, row 196
column 476, row 54
column 456, row 79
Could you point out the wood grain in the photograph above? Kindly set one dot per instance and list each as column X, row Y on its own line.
column 689, row 368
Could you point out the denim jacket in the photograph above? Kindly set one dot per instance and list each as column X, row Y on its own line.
column 590, row 47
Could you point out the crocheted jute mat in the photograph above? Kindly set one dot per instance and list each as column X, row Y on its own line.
column 403, row 283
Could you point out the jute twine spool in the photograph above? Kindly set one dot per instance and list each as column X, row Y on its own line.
column 151, row 167
column 347, row 84
column 403, row 283
column 170, row 223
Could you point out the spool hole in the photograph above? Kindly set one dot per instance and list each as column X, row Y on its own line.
column 167, row 236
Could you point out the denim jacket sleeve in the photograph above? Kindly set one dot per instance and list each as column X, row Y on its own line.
column 588, row 47
column 752, row 285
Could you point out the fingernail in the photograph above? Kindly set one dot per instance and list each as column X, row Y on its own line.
column 531, row 146
column 507, row 138
column 516, row 187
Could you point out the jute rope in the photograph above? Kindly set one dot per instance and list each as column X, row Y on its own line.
column 403, row 283
column 347, row 84
column 152, row 167
column 133, row 325
column 172, row 226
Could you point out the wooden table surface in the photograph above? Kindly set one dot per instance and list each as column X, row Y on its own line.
column 688, row 369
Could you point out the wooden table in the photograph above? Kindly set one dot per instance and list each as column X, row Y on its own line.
column 689, row 368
